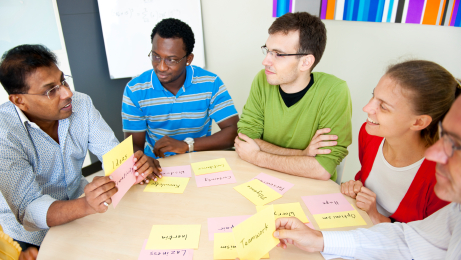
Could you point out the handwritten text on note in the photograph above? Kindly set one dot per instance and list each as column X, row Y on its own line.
column 217, row 165
column 167, row 185
column 274, row 183
column 339, row 219
column 217, row 178
column 174, row 236
column 257, row 192
column 171, row 254
column 287, row 210
column 327, row 203
column 223, row 224
column 124, row 178
column 177, row 171
column 253, row 237
column 225, row 248
column 118, row 155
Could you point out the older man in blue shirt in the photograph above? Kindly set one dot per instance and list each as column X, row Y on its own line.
column 45, row 132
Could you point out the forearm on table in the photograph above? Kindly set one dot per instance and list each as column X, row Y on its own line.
column 220, row 140
column 61, row 212
column 303, row 166
column 274, row 149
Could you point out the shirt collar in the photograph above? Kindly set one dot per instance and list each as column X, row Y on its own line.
column 187, row 83
column 24, row 118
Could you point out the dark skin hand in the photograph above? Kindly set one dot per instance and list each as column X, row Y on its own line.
column 220, row 140
column 29, row 254
column 154, row 165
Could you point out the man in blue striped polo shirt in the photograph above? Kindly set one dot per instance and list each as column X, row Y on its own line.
column 169, row 109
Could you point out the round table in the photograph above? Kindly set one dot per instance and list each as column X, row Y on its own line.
column 119, row 233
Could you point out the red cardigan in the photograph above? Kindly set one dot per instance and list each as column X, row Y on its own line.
column 420, row 200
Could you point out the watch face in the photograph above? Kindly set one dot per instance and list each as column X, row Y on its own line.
column 189, row 140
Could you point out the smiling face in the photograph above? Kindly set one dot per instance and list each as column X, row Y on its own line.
column 390, row 113
column 39, row 107
column 170, row 48
column 283, row 70
column 448, row 170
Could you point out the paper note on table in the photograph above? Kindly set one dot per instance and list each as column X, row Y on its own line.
column 217, row 178
column 124, row 178
column 254, row 236
column 166, row 254
column 287, row 210
column 174, row 236
column 339, row 219
column 167, row 185
column 274, row 183
column 218, row 165
column 223, row 224
column 115, row 157
column 225, row 248
column 257, row 192
column 177, row 171
column 327, row 203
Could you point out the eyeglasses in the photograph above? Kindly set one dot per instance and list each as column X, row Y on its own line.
column 52, row 92
column 265, row 51
column 448, row 143
column 169, row 62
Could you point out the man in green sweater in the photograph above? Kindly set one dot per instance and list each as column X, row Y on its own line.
column 290, row 109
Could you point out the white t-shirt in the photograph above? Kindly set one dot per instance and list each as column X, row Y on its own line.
column 390, row 183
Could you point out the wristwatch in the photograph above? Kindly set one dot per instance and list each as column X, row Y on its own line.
column 190, row 142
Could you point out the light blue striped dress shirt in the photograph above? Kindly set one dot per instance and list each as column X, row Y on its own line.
column 148, row 107
column 35, row 171
column 435, row 237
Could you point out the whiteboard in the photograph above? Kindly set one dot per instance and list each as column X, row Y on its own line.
column 127, row 25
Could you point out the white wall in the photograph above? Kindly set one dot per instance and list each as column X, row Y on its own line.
column 357, row 52
column 60, row 53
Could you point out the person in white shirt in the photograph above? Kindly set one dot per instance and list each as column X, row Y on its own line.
column 436, row 237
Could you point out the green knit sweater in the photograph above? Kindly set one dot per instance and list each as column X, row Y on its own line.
column 327, row 104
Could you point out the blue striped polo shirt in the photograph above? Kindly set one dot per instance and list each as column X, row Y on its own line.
column 148, row 106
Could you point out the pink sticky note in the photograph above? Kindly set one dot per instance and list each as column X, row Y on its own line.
column 276, row 184
column 327, row 203
column 217, row 178
column 166, row 254
column 124, row 178
column 224, row 224
column 177, row 171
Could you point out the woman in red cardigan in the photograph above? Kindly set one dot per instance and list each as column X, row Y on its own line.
column 396, row 182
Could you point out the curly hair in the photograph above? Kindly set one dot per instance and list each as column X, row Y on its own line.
column 312, row 32
column 21, row 61
column 174, row 28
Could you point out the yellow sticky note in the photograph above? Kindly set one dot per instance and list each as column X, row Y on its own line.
column 225, row 248
column 254, row 236
column 218, row 165
column 167, row 185
column 287, row 210
column 257, row 192
column 339, row 219
column 174, row 237
column 119, row 154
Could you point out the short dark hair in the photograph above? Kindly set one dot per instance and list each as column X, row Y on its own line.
column 174, row 28
column 312, row 32
column 21, row 61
